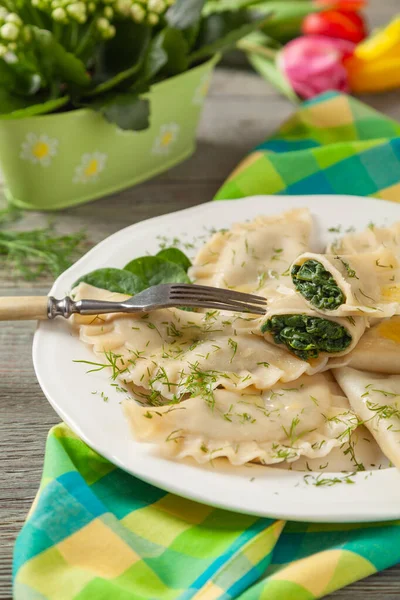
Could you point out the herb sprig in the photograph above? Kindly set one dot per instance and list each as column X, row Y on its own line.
column 38, row 252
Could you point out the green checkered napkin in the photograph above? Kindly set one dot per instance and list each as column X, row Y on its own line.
column 333, row 144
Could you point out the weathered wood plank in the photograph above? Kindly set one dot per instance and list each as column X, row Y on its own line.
column 240, row 112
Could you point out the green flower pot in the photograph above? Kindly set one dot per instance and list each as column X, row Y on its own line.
column 53, row 161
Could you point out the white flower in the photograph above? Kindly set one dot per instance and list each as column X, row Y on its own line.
column 9, row 31
column 152, row 19
column 90, row 167
column 202, row 89
column 39, row 149
column 138, row 13
column 166, row 138
column 156, row 6
column 59, row 15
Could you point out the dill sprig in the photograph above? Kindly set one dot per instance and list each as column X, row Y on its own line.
column 320, row 480
column 37, row 252
column 114, row 361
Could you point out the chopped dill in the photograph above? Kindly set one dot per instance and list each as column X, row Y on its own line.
column 174, row 436
column 234, row 347
column 378, row 264
column 112, row 362
column 283, row 452
column 383, row 411
column 320, row 480
column 385, row 393
column 261, row 280
column 350, row 272
column 365, row 295
column 172, row 331
column 291, row 434
column 277, row 253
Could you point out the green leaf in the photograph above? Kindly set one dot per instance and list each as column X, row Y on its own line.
column 56, row 62
column 219, row 6
column 127, row 111
column 113, row 280
column 115, row 81
column 155, row 59
column 267, row 68
column 167, row 55
column 225, row 42
column 11, row 102
column 287, row 17
column 176, row 256
column 121, row 58
column 289, row 9
column 184, row 13
column 177, row 49
column 153, row 270
column 26, row 109
column 19, row 78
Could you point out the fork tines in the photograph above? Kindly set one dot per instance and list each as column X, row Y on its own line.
column 222, row 299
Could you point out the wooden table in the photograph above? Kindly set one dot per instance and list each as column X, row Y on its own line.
column 240, row 111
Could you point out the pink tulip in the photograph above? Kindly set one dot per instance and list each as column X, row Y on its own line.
column 314, row 64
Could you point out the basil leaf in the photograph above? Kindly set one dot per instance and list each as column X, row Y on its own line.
column 127, row 111
column 175, row 256
column 184, row 13
column 114, row 280
column 153, row 270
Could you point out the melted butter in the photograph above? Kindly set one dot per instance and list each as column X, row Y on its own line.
column 391, row 293
column 390, row 329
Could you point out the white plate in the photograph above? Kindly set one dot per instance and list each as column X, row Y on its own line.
column 263, row 491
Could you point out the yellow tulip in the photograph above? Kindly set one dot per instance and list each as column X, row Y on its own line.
column 375, row 64
column 373, row 76
column 382, row 43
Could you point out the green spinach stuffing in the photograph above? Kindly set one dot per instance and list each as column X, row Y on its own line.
column 317, row 285
column 306, row 336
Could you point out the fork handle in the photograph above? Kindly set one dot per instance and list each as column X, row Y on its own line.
column 32, row 308
column 23, row 308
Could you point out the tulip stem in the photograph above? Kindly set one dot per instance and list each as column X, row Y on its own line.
column 263, row 50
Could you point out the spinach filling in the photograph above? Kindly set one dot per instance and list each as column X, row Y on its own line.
column 307, row 336
column 317, row 285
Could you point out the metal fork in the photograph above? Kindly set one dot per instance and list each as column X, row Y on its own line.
column 158, row 296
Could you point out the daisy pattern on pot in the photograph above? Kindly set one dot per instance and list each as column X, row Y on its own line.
column 90, row 167
column 202, row 89
column 167, row 136
column 39, row 149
